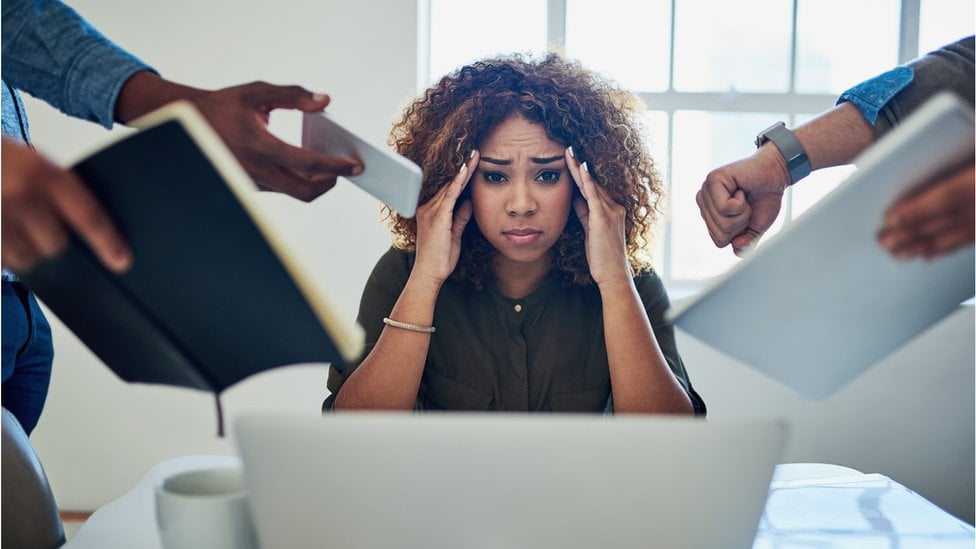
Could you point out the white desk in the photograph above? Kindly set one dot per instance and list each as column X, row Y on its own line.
column 821, row 506
column 810, row 505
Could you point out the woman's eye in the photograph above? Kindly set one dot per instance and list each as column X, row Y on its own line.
column 548, row 176
column 494, row 177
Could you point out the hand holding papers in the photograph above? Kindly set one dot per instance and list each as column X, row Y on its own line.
column 821, row 302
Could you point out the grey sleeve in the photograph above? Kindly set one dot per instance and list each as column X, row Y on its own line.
column 948, row 68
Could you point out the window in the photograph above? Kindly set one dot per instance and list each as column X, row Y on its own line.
column 712, row 74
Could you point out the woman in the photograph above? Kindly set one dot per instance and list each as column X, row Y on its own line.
column 520, row 284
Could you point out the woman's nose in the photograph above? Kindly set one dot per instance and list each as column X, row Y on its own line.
column 520, row 199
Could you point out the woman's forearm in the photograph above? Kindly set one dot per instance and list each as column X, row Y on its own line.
column 389, row 377
column 640, row 377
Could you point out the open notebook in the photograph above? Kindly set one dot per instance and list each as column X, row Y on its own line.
column 214, row 294
column 821, row 302
column 448, row 481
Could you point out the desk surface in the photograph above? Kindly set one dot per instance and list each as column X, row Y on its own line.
column 809, row 505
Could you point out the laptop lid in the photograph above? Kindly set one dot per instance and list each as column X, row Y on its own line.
column 821, row 302
column 454, row 481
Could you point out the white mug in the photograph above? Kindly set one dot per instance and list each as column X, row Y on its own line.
column 204, row 508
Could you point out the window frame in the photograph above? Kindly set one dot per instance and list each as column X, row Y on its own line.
column 670, row 101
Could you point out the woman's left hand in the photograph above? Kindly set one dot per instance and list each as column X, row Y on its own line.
column 603, row 221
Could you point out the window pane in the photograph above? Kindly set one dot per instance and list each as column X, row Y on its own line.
column 818, row 184
column 656, row 123
column 742, row 45
column 944, row 21
column 627, row 40
column 703, row 141
column 461, row 32
column 862, row 42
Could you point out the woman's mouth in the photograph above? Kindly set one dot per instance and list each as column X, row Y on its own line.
column 522, row 236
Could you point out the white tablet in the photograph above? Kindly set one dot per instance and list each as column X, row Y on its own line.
column 821, row 302
column 386, row 175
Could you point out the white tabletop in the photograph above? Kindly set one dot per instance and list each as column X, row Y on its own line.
column 809, row 505
column 818, row 505
column 130, row 521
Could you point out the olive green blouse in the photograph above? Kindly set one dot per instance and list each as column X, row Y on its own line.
column 544, row 352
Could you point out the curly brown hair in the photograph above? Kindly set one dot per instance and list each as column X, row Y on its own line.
column 575, row 106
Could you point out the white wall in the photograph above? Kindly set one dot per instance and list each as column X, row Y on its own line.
column 911, row 417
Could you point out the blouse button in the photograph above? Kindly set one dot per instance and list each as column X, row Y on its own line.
column 518, row 307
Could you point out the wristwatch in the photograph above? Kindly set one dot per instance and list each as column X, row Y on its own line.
column 789, row 146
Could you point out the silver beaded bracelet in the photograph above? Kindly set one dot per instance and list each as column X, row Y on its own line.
column 407, row 326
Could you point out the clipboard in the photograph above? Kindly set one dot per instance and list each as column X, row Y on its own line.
column 821, row 302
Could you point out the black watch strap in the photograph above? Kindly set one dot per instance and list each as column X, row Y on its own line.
column 789, row 146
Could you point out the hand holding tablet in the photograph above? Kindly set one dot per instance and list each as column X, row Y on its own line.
column 386, row 175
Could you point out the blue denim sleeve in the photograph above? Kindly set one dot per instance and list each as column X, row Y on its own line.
column 872, row 95
column 52, row 53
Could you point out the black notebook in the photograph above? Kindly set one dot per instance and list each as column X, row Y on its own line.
column 213, row 295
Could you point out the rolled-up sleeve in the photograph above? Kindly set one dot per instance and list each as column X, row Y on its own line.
column 52, row 53
column 890, row 97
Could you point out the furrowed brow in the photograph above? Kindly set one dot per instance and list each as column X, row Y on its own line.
column 496, row 161
column 547, row 160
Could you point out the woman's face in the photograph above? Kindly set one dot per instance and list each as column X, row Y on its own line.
column 521, row 191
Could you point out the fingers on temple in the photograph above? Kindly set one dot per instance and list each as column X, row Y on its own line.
column 461, row 218
column 457, row 185
column 596, row 190
column 595, row 195
column 582, row 210
column 576, row 172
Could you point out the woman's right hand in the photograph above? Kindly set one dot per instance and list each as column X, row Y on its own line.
column 440, row 225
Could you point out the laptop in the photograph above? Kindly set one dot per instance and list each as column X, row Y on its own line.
column 821, row 302
column 489, row 481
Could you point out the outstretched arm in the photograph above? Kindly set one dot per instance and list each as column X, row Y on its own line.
column 53, row 53
column 240, row 115
column 741, row 200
